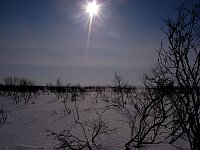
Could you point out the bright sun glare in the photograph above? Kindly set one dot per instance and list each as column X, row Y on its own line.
column 92, row 8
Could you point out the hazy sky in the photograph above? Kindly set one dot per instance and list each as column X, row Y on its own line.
column 47, row 39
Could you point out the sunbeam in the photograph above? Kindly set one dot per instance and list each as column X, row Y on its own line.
column 92, row 8
column 89, row 33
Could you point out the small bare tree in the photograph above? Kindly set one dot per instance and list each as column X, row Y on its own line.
column 181, row 64
column 176, row 80
column 59, row 90
column 119, row 89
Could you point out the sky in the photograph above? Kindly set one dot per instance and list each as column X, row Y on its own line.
column 44, row 40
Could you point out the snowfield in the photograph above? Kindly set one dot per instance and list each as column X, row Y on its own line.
column 29, row 127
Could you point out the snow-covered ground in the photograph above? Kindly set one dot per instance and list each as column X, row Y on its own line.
column 27, row 125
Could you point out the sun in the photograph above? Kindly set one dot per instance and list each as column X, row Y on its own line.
column 92, row 8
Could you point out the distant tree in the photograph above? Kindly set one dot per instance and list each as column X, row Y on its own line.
column 119, row 89
column 59, row 90
column 59, row 83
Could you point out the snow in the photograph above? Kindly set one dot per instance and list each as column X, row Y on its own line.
column 27, row 125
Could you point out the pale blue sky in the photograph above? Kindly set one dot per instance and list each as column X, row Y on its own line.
column 46, row 39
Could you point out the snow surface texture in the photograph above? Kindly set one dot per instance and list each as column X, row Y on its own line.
column 27, row 125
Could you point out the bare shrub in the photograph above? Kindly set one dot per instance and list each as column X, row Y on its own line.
column 3, row 114
column 153, row 113
column 19, row 88
column 93, row 131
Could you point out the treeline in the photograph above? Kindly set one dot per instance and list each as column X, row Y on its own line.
column 22, row 88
